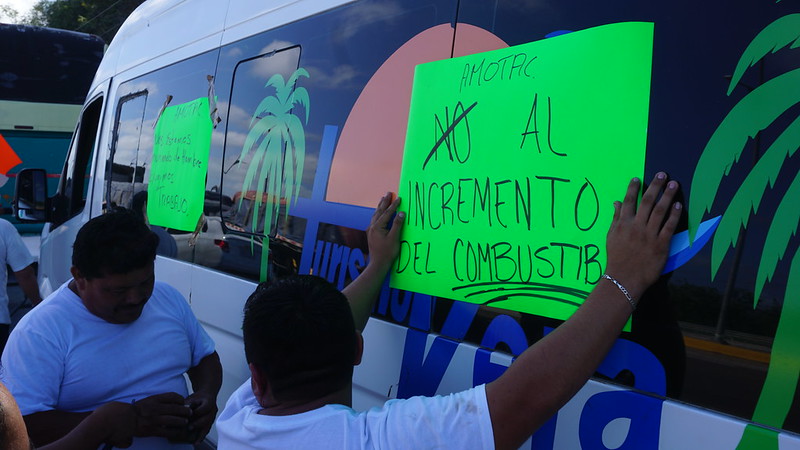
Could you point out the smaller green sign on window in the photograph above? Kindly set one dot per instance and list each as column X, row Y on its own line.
column 181, row 144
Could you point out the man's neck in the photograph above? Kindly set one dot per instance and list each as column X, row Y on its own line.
column 343, row 396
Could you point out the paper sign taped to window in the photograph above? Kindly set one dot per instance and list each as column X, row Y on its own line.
column 177, row 184
column 513, row 159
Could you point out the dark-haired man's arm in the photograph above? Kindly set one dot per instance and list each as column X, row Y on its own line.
column 27, row 282
column 384, row 245
column 164, row 415
column 98, row 427
column 551, row 371
column 113, row 423
column 45, row 427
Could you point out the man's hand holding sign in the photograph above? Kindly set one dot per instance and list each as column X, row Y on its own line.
column 551, row 371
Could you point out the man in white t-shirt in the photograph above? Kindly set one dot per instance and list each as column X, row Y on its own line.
column 302, row 340
column 114, row 334
column 14, row 254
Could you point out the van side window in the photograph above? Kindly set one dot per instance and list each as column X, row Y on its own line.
column 140, row 105
column 124, row 169
column 263, row 116
column 73, row 188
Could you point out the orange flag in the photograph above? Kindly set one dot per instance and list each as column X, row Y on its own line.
column 8, row 159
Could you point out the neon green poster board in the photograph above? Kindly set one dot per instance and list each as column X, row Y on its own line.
column 512, row 162
column 176, row 190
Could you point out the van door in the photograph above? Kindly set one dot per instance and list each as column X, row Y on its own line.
column 70, row 202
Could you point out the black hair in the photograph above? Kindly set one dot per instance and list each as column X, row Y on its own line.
column 299, row 332
column 137, row 204
column 117, row 242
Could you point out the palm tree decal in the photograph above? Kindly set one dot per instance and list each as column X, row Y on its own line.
column 278, row 144
column 757, row 110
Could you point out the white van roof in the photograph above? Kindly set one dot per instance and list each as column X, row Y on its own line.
column 160, row 32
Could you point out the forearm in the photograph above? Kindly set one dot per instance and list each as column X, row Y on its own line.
column 383, row 238
column 113, row 423
column 82, row 437
column 206, row 376
column 27, row 282
column 551, row 371
column 364, row 290
column 47, row 426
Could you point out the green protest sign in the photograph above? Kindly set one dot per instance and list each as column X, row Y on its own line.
column 177, row 184
column 513, row 159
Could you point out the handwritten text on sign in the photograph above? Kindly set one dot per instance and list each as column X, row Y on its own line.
column 176, row 190
column 513, row 159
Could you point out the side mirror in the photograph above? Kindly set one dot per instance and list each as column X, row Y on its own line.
column 30, row 195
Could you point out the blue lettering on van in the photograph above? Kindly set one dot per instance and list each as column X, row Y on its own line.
column 642, row 412
column 503, row 329
column 421, row 374
column 414, row 307
column 648, row 372
column 545, row 436
column 336, row 263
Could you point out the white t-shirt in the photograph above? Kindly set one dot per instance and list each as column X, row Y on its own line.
column 455, row 421
column 61, row 356
column 14, row 253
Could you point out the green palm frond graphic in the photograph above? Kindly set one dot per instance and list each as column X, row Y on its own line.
column 777, row 35
column 753, row 113
column 779, row 387
column 276, row 140
column 748, row 198
column 783, row 227
column 769, row 100
column 265, row 153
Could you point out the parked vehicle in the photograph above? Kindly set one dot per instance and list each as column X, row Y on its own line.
column 712, row 359
column 45, row 74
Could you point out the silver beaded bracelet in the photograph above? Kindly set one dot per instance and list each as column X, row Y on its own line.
column 621, row 288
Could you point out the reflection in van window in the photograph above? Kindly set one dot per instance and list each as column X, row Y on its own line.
column 139, row 104
column 125, row 168
column 265, row 145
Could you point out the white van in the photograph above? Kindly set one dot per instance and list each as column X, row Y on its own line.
column 334, row 76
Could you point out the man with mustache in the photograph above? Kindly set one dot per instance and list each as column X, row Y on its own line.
column 114, row 334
